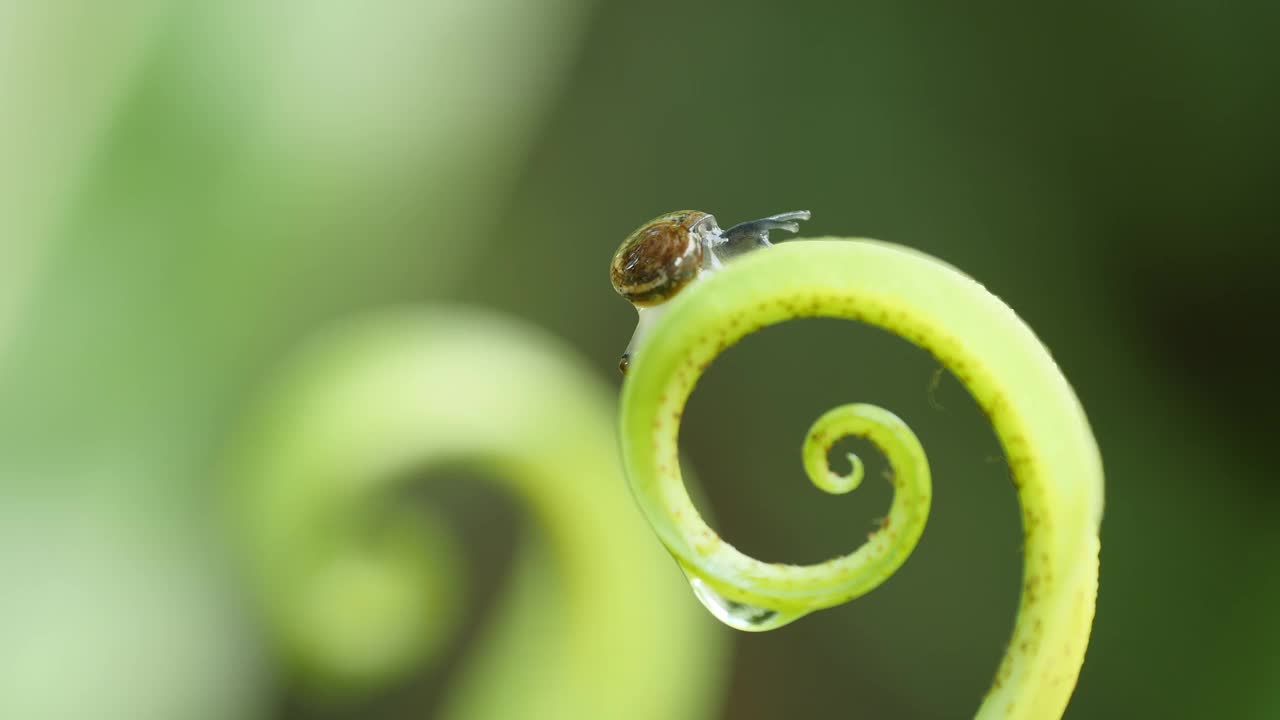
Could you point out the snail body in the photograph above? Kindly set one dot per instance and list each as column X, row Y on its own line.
column 666, row 254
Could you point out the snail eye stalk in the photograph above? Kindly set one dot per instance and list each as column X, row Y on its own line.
column 754, row 234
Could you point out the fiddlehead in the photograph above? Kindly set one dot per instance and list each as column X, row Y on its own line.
column 357, row 590
column 1047, row 441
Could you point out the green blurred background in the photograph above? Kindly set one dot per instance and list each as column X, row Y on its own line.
column 189, row 190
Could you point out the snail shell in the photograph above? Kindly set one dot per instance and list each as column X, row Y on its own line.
column 663, row 256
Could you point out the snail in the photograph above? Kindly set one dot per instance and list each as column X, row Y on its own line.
column 669, row 252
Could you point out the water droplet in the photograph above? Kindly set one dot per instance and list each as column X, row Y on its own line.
column 737, row 615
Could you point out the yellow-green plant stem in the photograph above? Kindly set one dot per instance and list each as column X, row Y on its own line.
column 358, row 588
column 1049, row 447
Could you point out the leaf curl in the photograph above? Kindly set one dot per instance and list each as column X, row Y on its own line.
column 1046, row 438
column 357, row 589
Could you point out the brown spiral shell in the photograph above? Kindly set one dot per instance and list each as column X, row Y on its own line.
column 659, row 259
